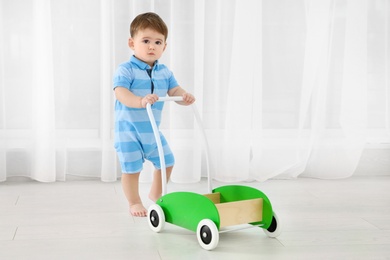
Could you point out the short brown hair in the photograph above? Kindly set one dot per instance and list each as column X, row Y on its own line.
column 148, row 20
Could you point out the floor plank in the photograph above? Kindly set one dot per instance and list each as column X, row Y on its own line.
column 85, row 219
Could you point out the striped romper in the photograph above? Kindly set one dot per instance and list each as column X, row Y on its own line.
column 134, row 139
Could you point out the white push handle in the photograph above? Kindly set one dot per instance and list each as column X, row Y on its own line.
column 158, row 139
column 159, row 144
column 159, row 147
column 174, row 98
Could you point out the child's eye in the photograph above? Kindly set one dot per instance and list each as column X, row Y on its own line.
column 158, row 42
column 145, row 41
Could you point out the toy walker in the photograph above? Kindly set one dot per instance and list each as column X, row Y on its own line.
column 209, row 214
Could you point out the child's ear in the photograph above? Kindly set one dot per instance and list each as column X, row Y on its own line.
column 165, row 46
column 131, row 43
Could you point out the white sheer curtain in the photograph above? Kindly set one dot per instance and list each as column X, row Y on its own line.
column 285, row 88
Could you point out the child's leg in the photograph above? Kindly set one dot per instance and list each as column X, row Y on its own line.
column 156, row 189
column 130, row 188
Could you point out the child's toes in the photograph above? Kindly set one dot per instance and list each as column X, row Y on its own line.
column 138, row 210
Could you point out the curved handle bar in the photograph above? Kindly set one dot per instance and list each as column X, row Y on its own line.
column 159, row 144
column 174, row 98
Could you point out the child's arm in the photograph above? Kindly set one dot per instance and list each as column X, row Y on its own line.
column 127, row 98
column 188, row 98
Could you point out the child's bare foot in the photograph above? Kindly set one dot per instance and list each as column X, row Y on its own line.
column 138, row 210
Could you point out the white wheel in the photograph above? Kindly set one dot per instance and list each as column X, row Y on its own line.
column 156, row 218
column 207, row 234
column 275, row 228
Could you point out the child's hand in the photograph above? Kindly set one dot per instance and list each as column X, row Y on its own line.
column 188, row 99
column 150, row 98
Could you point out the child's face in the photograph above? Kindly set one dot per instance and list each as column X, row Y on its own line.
column 148, row 45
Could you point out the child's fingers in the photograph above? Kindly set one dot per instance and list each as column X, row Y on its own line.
column 188, row 98
column 151, row 99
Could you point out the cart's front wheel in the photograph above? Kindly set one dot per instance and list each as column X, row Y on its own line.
column 207, row 234
column 275, row 228
column 156, row 218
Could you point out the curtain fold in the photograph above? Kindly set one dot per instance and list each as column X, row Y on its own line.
column 43, row 160
column 284, row 88
column 108, row 162
column 236, row 136
column 3, row 138
column 344, row 147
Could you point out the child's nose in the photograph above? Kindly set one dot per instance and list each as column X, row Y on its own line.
column 151, row 46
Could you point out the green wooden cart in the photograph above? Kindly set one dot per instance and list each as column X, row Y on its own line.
column 208, row 214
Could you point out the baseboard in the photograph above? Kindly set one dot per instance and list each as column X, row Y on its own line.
column 375, row 161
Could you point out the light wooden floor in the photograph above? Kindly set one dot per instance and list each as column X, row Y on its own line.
column 338, row 219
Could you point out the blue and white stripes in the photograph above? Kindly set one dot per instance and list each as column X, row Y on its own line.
column 134, row 140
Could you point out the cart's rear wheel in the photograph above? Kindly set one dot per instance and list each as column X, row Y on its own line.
column 156, row 218
column 275, row 228
column 207, row 234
